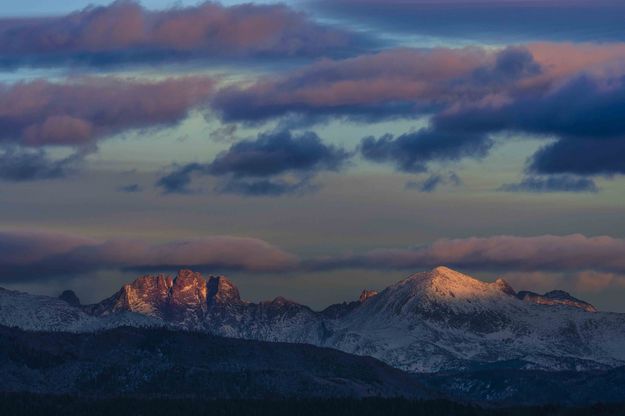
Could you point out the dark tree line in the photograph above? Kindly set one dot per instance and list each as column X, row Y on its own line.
column 35, row 405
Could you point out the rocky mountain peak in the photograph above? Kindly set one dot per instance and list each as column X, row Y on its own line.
column 186, row 275
column 222, row 290
column 70, row 297
column 366, row 294
column 504, row 286
column 150, row 283
column 444, row 281
column 189, row 291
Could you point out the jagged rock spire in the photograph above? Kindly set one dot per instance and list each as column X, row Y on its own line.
column 366, row 294
column 222, row 290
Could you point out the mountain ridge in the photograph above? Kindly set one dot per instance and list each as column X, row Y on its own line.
column 430, row 321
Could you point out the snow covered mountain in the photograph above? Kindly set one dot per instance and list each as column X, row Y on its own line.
column 43, row 313
column 443, row 320
column 431, row 321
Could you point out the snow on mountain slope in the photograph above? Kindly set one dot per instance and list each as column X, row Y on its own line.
column 446, row 320
column 40, row 312
column 43, row 313
column 436, row 320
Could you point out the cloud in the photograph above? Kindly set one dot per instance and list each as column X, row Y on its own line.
column 542, row 253
column 589, row 263
column 178, row 181
column 483, row 20
column 132, row 188
column 590, row 281
column 79, row 111
column 512, row 63
column 31, row 256
column 559, row 183
column 266, row 187
column 275, row 153
column 584, row 113
column 411, row 152
column 581, row 156
column 387, row 84
column 254, row 167
column 573, row 93
column 20, row 165
column 125, row 32
column 434, row 181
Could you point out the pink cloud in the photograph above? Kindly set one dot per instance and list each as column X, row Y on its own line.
column 424, row 80
column 542, row 253
column 39, row 256
column 39, row 113
column 125, row 31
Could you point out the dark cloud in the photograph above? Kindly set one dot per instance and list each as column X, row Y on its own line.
column 581, row 156
column 132, row 188
column 126, row 32
column 255, row 167
column 266, row 187
column 585, row 113
column 434, row 182
column 583, row 107
column 411, row 152
column 548, row 253
column 558, row 183
column 275, row 153
column 37, row 256
column 19, row 165
column 75, row 113
column 178, row 181
column 511, row 63
column 573, row 93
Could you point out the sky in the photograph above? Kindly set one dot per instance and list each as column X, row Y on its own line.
column 313, row 148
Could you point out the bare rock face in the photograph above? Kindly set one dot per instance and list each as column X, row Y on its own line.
column 186, row 301
column 556, row 298
column 366, row 294
column 147, row 295
column 222, row 291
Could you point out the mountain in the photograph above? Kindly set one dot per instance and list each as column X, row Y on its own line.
column 440, row 320
column 43, row 313
column 445, row 320
column 162, row 363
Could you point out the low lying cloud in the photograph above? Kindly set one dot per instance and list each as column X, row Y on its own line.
column 256, row 167
column 125, row 32
column 588, row 264
column 547, row 253
column 40, row 256
column 80, row 111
